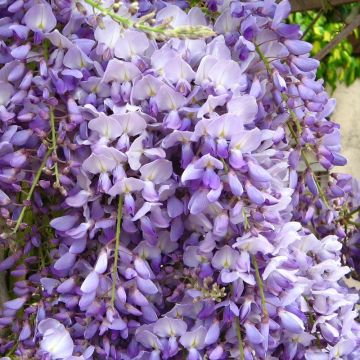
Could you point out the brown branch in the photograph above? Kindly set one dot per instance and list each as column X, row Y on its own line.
column 347, row 31
column 304, row 5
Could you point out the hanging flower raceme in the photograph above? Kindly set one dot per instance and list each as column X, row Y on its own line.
column 158, row 193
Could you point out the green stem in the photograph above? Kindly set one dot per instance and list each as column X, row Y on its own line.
column 30, row 193
column 238, row 333
column 54, row 146
column 117, row 244
column 261, row 287
column 105, row 11
column 351, row 213
column 193, row 32
column 263, row 58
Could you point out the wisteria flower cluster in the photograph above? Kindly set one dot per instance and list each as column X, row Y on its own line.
column 160, row 187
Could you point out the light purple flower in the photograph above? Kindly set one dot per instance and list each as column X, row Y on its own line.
column 56, row 339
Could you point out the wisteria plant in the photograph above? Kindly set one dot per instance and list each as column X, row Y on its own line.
column 167, row 189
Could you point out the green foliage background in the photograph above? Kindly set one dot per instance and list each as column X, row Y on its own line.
column 341, row 65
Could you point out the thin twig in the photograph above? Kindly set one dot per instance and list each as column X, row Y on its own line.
column 355, row 23
column 305, row 5
column 313, row 22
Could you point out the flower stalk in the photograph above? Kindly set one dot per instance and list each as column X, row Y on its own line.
column 261, row 287
column 54, row 147
column 162, row 31
column 238, row 334
column 116, row 251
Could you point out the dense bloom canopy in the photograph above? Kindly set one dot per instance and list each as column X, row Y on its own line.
column 160, row 185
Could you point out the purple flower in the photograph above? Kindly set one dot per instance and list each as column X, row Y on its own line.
column 40, row 18
column 56, row 340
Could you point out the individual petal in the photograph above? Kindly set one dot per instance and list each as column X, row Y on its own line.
column 282, row 12
column 132, row 123
column 49, row 325
column 90, row 283
column 216, row 353
column 59, row 40
column 97, row 163
column 198, row 202
column 343, row 348
column 6, row 92
column 245, row 107
column 246, row 141
column 306, row 63
column 175, row 207
column 258, row 173
column 157, row 171
column 225, row 75
column 66, row 286
column 107, row 126
column 224, row 258
column 76, row 59
column 146, row 87
column 40, row 17
column 108, row 33
column 252, row 333
column 58, row 344
column 20, row 52
column 64, row 223
column 213, row 333
column 126, row 185
column 254, row 194
column 191, row 173
column 65, row 262
column 146, row 286
column 235, row 184
column 298, row 47
column 148, row 339
column 132, row 43
column 14, row 304
column 194, row 339
column 168, row 327
column 25, row 332
column 120, row 71
column 168, row 99
column 291, row 322
column 177, row 69
column 79, row 199
column 177, row 16
column 101, row 263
